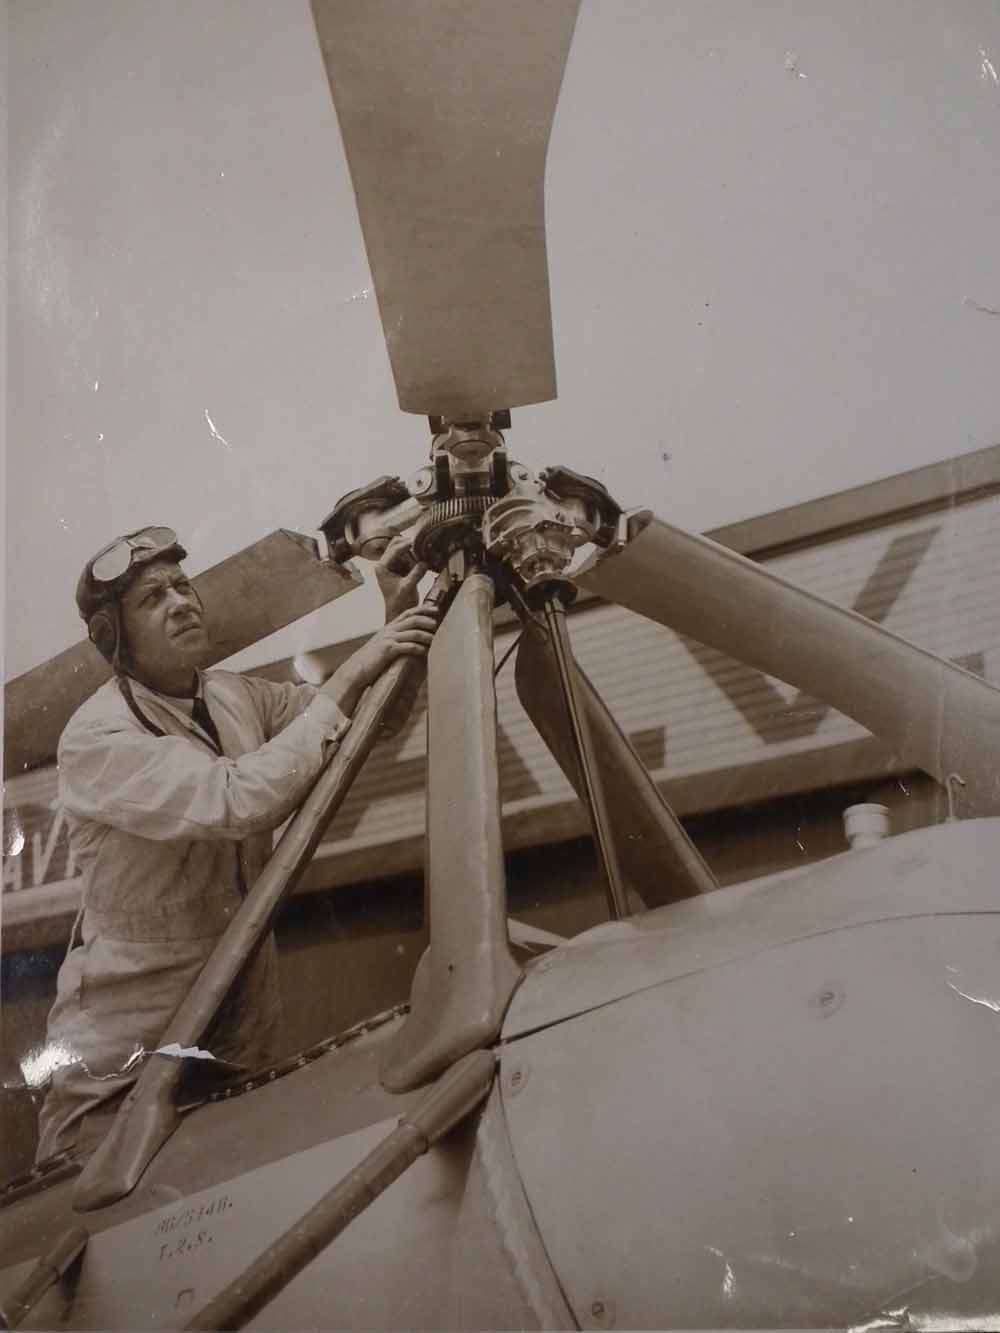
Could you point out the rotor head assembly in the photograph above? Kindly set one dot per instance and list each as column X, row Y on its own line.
column 472, row 497
column 539, row 525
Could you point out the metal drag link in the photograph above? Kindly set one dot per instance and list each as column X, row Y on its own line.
column 457, row 1093
column 555, row 620
column 657, row 857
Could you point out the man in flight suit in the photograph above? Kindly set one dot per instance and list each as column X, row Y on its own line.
column 173, row 779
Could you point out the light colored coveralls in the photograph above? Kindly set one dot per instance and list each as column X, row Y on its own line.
column 156, row 826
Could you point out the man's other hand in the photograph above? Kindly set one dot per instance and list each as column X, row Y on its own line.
column 398, row 578
column 409, row 634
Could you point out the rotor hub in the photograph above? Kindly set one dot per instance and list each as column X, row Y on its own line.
column 538, row 527
column 472, row 497
column 448, row 526
column 532, row 534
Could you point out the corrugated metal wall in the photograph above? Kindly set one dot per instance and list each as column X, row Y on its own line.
column 706, row 725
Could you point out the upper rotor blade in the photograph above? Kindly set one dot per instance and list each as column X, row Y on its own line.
column 936, row 716
column 248, row 596
column 445, row 107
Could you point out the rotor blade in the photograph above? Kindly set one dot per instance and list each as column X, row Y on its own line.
column 936, row 716
column 445, row 107
column 248, row 596
column 655, row 851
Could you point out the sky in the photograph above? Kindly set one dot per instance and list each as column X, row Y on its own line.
column 773, row 255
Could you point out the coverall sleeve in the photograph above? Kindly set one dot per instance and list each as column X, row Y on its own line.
column 165, row 788
column 278, row 704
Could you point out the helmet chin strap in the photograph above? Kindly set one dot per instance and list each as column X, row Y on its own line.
column 117, row 663
column 125, row 685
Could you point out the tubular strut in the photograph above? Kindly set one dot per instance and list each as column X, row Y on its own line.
column 455, row 1096
column 49, row 1269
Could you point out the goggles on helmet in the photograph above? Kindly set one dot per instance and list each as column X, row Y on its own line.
column 118, row 556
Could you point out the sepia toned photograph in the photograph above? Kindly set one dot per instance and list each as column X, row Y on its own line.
column 501, row 634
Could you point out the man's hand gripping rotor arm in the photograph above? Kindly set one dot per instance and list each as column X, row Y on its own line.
column 408, row 630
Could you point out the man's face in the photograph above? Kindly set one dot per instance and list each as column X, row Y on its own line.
column 162, row 617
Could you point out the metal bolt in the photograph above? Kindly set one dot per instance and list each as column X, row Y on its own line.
column 516, row 1079
column 827, row 1001
column 603, row 1313
column 952, row 781
column 421, row 482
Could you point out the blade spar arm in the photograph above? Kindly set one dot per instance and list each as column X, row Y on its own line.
column 936, row 715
